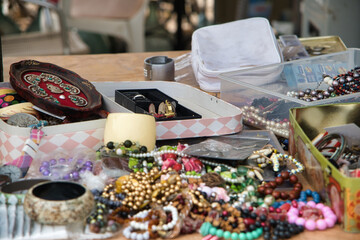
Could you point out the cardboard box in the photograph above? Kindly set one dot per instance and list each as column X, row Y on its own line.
column 339, row 191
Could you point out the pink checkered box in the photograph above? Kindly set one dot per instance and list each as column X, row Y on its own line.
column 218, row 118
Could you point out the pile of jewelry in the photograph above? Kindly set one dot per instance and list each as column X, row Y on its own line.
column 338, row 85
column 215, row 199
column 259, row 118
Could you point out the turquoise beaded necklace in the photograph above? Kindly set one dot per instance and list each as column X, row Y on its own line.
column 208, row 229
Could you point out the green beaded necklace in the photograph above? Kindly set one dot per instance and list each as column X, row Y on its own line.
column 208, row 229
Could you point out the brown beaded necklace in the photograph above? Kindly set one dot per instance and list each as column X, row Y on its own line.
column 269, row 188
column 114, row 215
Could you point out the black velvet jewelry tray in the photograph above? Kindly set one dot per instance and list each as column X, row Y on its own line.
column 155, row 96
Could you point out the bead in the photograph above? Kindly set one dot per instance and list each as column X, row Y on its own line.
column 242, row 236
column 268, row 200
column 213, row 230
column 292, row 218
column 320, row 206
column 311, row 204
column 119, row 151
column 227, row 234
column 321, row 224
column 250, row 174
column 255, row 234
column 310, row 225
column 300, row 221
column 234, row 236
column 110, row 145
column 293, row 179
column 128, row 144
column 219, row 233
column 329, row 222
column 249, row 236
column 285, row 175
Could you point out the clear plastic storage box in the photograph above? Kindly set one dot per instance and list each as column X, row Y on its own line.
column 264, row 93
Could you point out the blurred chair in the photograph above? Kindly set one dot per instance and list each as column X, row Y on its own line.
column 52, row 39
column 118, row 18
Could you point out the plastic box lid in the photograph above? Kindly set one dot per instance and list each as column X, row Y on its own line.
column 278, row 79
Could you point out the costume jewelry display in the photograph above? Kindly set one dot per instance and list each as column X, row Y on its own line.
column 304, row 195
column 138, row 97
column 255, row 117
column 145, row 217
column 98, row 220
column 277, row 157
column 65, row 169
column 210, row 232
column 324, row 141
column 139, row 157
column 141, row 188
column 166, row 109
column 341, row 84
column 326, row 217
column 269, row 188
column 262, row 156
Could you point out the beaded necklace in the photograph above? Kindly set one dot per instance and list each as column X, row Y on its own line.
column 327, row 219
column 269, row 188
column 139, row 157
column 208, row 229
column 262, row 156
column 147, row 224
column 276, row 157
column 254, row 117
column 341, row 84
column 249, row 171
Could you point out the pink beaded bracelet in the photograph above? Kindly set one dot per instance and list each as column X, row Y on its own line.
column 327, row 218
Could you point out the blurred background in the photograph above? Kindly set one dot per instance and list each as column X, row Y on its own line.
column 51, row 27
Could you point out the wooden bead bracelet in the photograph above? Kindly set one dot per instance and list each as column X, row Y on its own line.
column 269, row 188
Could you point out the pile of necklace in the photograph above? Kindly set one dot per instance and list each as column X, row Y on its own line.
column 256, row 117
column 219, row 200
column 339, row 85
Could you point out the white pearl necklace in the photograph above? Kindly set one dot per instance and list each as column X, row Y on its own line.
column 214, row 164
column 129, row 234
column 251, row 115
column 140, row 225
column 156, row 154
column 190, row 176
column 170, row 225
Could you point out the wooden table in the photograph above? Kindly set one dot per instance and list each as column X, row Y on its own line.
column 105, row 67
column 129, row 67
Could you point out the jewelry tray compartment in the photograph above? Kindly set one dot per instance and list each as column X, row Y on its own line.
column 139, row 101
column 217, row 117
